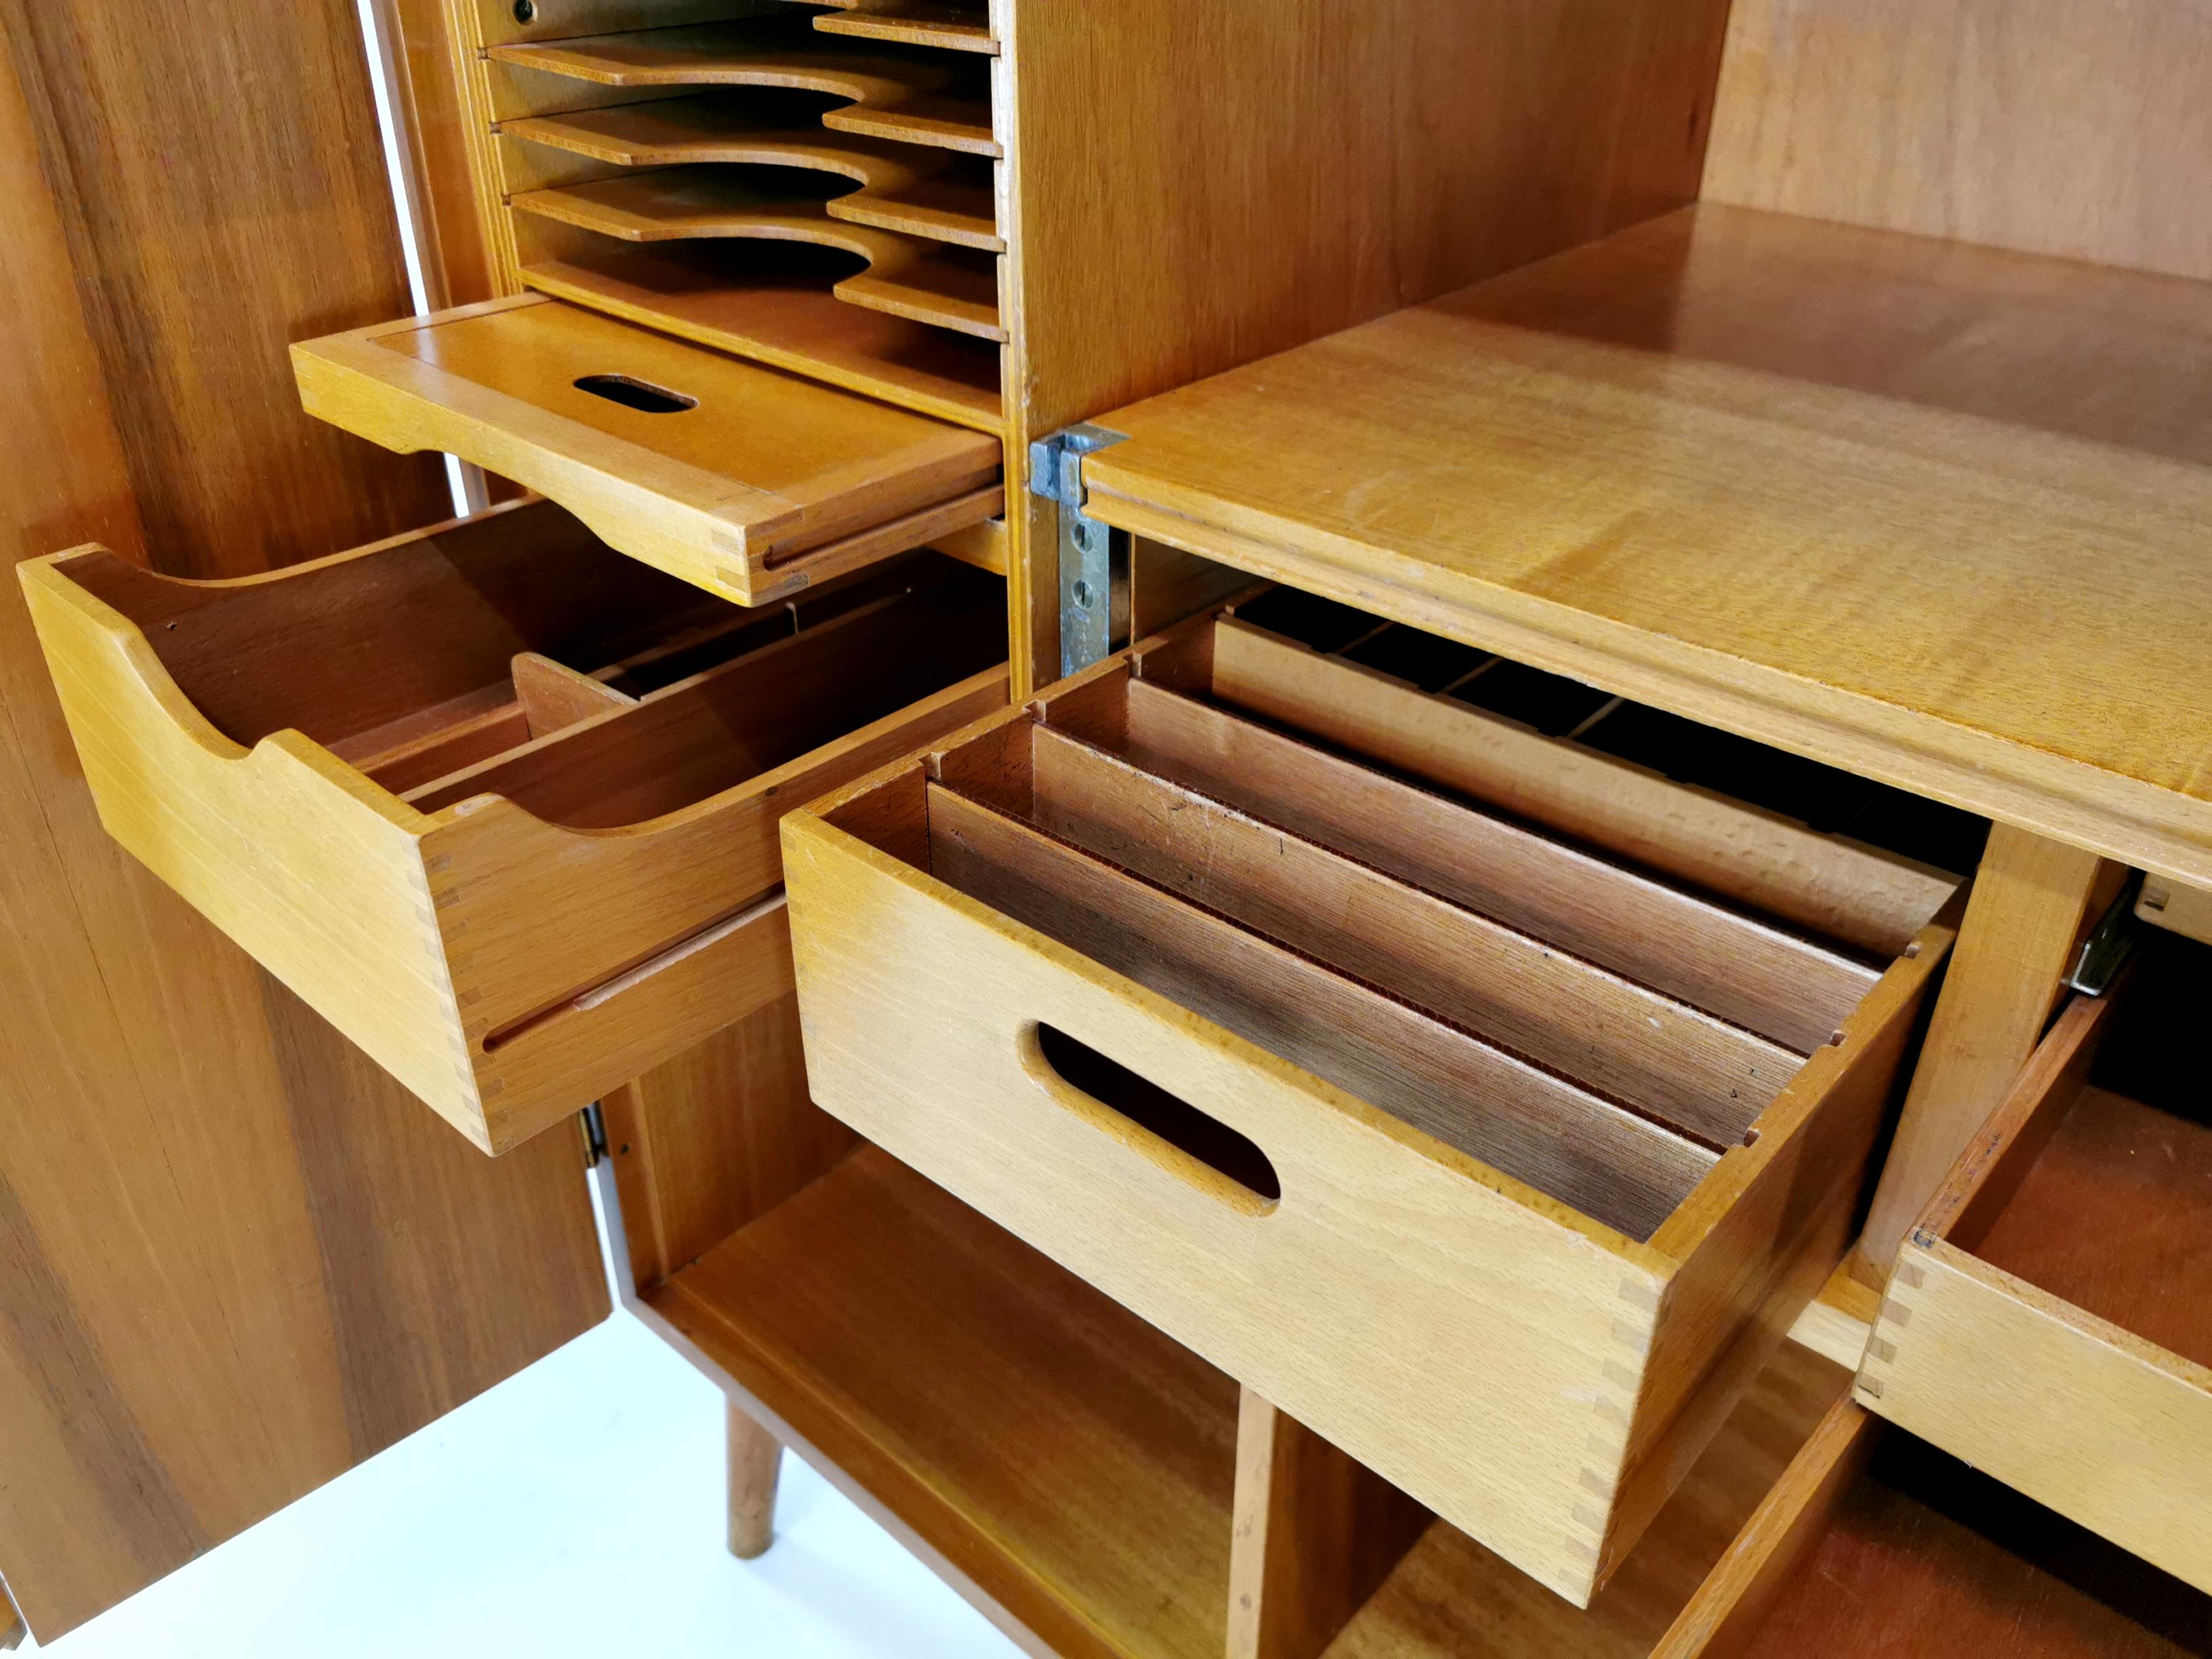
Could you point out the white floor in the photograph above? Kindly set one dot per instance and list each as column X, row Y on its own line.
column 577, row 1510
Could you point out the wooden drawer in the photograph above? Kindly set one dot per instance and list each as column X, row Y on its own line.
column 1294, row 1058
column 748, row 481
column 497, row 803
column 2050, row 1317
column 1873, row 1542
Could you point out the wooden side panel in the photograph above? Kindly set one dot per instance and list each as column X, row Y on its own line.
column 2105, row 1428
column 1273, row 173
column 2041, row 124
column 234, row 1260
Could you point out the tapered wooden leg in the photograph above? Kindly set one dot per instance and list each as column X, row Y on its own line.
column 1316, row 1532
column 2031, row 902
column 755, row 1456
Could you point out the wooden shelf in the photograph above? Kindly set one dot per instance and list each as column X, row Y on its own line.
column 922, row 192
column 903, row 96
column 776, row 306
column 1069, row 1460
column 1934, row 512
column 947, row 289
column 1451, row 1597
column 948, row 25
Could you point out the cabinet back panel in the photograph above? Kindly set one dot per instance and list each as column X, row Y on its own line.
column 2046, row 125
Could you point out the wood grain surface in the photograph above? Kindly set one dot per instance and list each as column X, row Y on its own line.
column 238, row 1258
column 2041, row 124
column 1864, row 497
column 1063, row 1457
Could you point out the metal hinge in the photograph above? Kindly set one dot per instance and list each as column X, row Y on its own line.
column 2108, row 943
column 1094, row 557
column 594, row 1123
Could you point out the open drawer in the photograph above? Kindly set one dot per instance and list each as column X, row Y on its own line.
column 1488, row 1156
column 496, row 802
column 748, row 481
column 2049, row 1319
column 1875, row 1543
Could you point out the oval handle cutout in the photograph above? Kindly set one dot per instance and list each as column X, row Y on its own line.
column 633, row 393
column 1174, row 1132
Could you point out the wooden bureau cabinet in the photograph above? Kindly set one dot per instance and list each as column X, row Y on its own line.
column 1393, row 935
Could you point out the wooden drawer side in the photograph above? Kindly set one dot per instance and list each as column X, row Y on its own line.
column 2079, row 1414
column 259, row 839
column 1434, row 1314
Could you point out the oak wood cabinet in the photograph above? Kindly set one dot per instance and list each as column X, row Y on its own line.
column 1396, row 916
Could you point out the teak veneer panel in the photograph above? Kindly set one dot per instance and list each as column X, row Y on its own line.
column 237, row 1259
column 2036, row 125
column 767, row 484
column 1856, row 494
column 1066, row 1460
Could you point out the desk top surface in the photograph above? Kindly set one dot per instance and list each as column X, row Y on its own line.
column 1938, row 513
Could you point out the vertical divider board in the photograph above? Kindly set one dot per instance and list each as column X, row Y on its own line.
column 1248, row 177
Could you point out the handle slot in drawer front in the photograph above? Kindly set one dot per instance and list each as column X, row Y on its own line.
column 2050, row 1318
column 1527, row 1301
column 760, row 483
column 545, row 922
column 1195, row 1144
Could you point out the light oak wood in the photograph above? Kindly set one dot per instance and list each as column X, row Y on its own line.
column 2046, row 1319
column 1566, row 1141
column 900, row 98
column 2184, row 909
column 240, row 1260
column 1700, row 1075
column 768, row 484
column 1281, row 171
column 1452, row 1597
column 867, row 1319
column 756, row 1457
column 1797, row 480
column 953, row 25
column 904, row 275
column 1760, row 1565
column 1837, row 1323
column 1767, row 979
column 1858, row 896
column 1876, row 1542
column 1316, row 1533
column 902, row 187
column 446, row 942
column 1445, row 1324
column 2021, row 123
column 712, row 1140
column 790, row 320
column 2030, row 902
